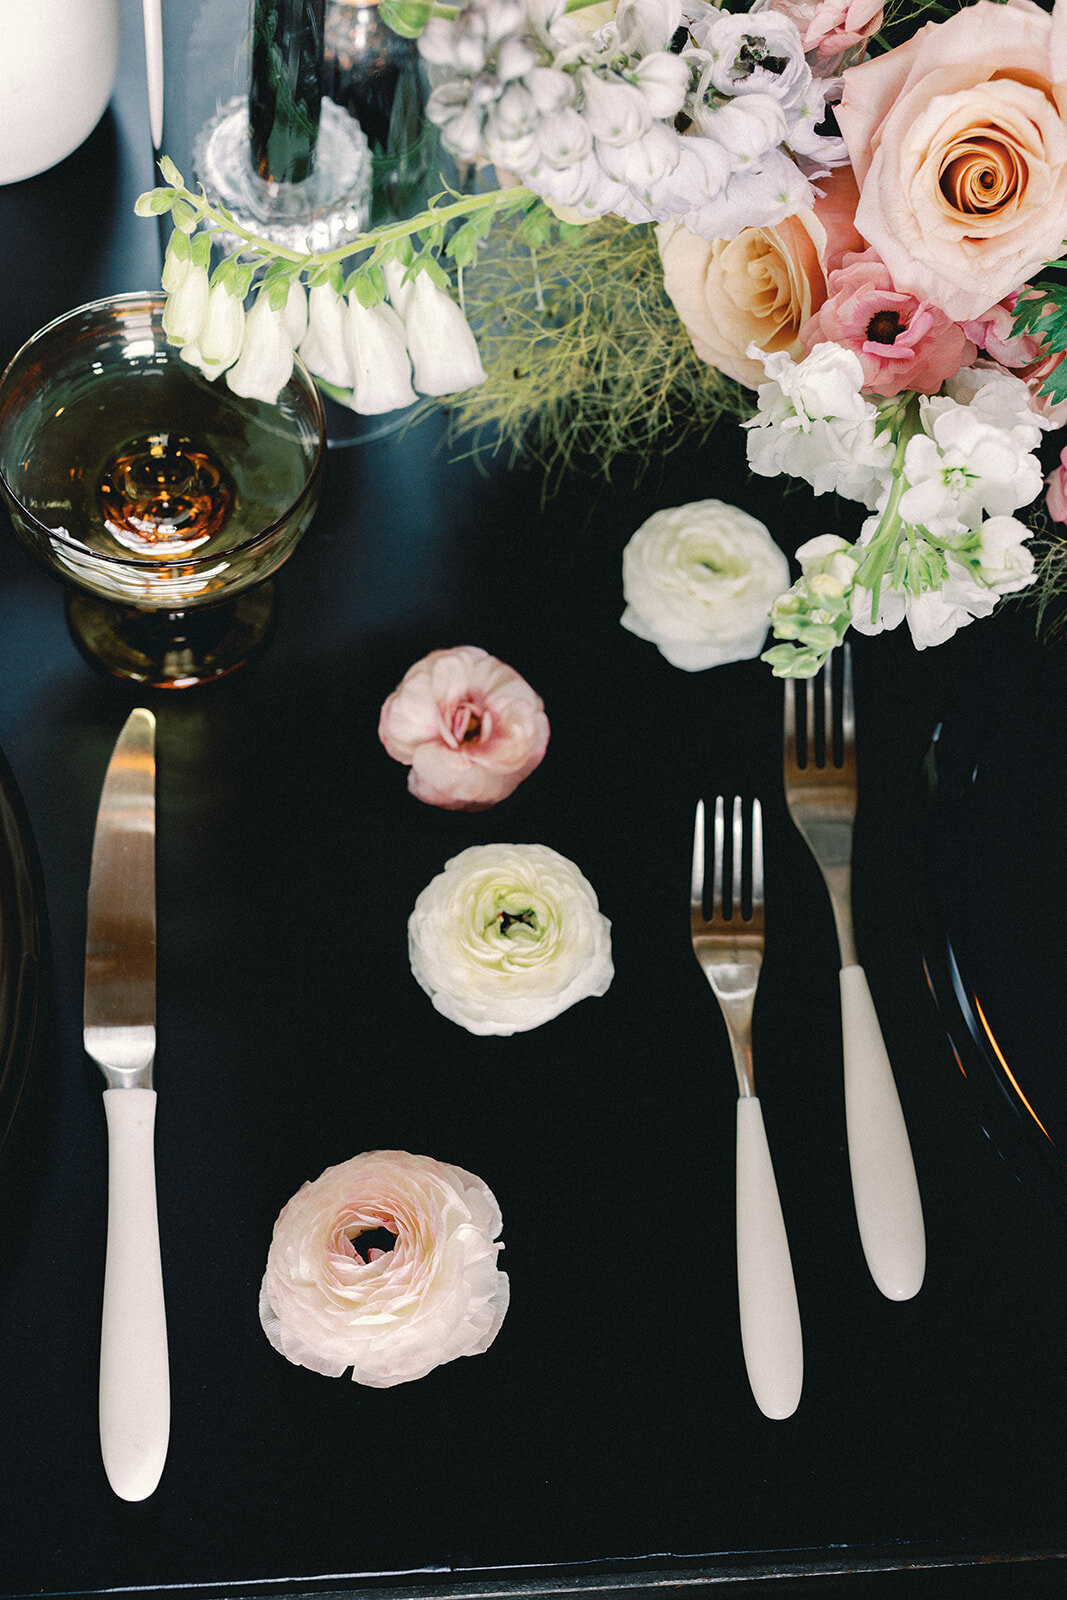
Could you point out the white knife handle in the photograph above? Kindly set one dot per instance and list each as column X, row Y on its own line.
column 134, row 1374
column 886, row 1194
column 767, row 1296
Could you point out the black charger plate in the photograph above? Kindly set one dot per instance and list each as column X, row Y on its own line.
column 20, row 951
column 996, row 899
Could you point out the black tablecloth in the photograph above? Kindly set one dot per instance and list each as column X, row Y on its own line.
column 608, row 1439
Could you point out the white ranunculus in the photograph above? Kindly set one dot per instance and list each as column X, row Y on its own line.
column 699, row 581
column 265, row 364
column 444, row 351
column 507, row 937
column 391, row 1315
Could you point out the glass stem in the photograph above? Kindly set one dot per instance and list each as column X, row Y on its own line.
column 285, row 87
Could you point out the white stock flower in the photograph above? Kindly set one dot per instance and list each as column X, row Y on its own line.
column 392, row 1315
column 378, row 356
column 322, row 349
column 967, row 467
column 615, row 111
column 699, row 581
column 663, row 79
column 998, row 397
column 1004, row 560
column 812, row 422
column 507, row 937
column 265, row 364
column 444, row 351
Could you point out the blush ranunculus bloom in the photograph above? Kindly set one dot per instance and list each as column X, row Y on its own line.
column 469, row 727
column 391, row 1315
column 1024, row 354
column 1056, row 490
column 507, row 937
column 699, row 581
column 902, row 342
column 961, row 155
column 761, row 287
column 832, row 28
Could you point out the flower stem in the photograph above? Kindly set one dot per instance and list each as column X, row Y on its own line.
column 435, row 216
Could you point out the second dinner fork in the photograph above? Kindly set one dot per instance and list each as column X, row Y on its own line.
column 820, row 793
column 729, row 947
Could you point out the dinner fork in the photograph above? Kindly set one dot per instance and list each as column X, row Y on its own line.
column 820, row 792
column 729, row 947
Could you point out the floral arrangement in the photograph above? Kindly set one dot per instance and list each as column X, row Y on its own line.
column 391, row 1315
column 834, row 231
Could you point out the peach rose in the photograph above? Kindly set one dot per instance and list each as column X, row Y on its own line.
column 761, row 287
column 961, row 154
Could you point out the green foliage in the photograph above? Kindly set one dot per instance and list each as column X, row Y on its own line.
column 1043, row 313
column 585, row 355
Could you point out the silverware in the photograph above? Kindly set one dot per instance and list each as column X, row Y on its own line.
column 120, row 1036
column 729, row 947
column 820, row 792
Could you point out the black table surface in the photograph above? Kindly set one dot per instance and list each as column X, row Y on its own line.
column 608, row 1440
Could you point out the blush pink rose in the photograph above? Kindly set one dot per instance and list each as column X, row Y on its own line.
column 832, row 28
column 469, row 727
column 761, row 287
column 1056, row 490
column 902, row 342
column 961, row 154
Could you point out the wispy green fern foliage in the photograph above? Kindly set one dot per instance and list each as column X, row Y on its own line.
column 587, row 359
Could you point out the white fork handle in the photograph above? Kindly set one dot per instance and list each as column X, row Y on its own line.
column 886, row 1194
column 134, row 1375
column 766, row 1293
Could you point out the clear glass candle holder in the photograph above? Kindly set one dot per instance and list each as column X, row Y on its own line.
column 163, row 501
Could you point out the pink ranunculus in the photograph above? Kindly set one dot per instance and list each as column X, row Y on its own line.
column 832, row 28
column 1022, row 353
column 902, row 342
column 1056, row 490
column 469, row 727
column 329, row 1303
column 961, row 154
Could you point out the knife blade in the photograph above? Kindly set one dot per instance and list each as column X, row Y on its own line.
column 120, row 1036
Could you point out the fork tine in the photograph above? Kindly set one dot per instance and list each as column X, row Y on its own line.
column 696, row 878
column 757, row 856
column 848, row 713
column 809, row 724
column 718, row 897
column 737, row 829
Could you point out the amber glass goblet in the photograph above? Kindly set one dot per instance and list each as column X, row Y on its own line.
column 163, row 501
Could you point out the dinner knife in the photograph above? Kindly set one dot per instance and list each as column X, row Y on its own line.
column 120, row 1036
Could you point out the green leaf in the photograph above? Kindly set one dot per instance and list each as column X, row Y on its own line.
column 368, row 286
column 405, row 17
